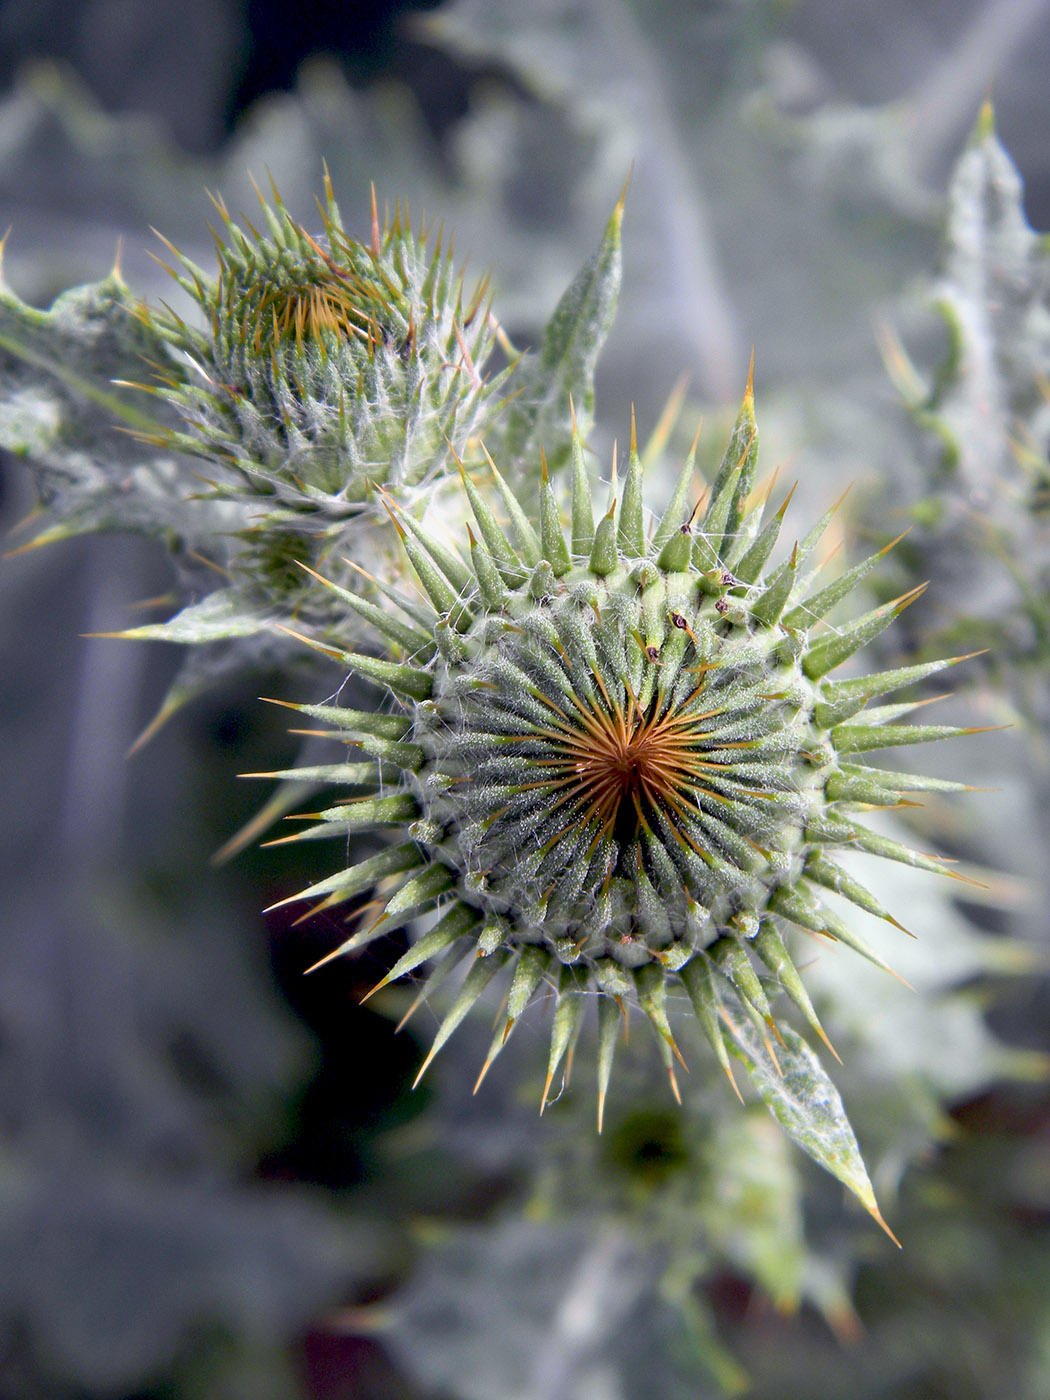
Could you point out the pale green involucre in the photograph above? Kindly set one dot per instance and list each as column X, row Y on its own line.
column 625, row 771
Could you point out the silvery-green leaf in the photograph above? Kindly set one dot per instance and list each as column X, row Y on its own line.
column 61, row 407
column 535, row 1309
column 564, row 368
column 799, row 1094
column 987, row 403
column 217, row 617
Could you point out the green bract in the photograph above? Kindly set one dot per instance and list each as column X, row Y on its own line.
column 624, row 766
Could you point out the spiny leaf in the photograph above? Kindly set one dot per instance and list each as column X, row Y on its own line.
column 609, row 1020
column 346, row 883
column 832, row 877
column 450, row 928
column 496, row 541
column 841, row 700
column 604, row 557
column 737, row 473
column 528, row 541
column 807, row 1105
column 410, row 681
column 801, row 907
column 388, row 625
column 568, row 1017
column 632, row 518
column 533, row 963
column 698, row 978
column 862, row 738
column 769, row 604
column 355, row 721
column 651, row 985
column 582, row 509
column 220, row 616
column 769, row 946
column 552, row 540
column 567, row 358
column 818, row 605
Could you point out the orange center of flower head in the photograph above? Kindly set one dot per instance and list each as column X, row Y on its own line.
column 306, row 312
column 306, row 303
column 623, row 767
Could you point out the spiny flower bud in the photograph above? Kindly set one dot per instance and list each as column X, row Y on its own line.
column 625, row 767
column 322, row 370
column 327, row 365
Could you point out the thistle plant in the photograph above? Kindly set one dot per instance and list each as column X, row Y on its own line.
column 619, row 767
column 616, row 765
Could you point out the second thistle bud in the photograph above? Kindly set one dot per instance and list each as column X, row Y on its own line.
column 328, row 365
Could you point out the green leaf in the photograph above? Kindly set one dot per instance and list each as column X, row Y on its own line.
column 806, row 1104
column 62, row 407
column 564, row 368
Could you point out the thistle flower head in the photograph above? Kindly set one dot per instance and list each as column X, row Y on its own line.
column 327, row 365
column 613, row 741
column 624, row 765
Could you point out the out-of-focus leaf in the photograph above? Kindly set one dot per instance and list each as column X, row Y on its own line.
column 534, row 1311
column 60, row 407
column 989, row 403
column 219, row 616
